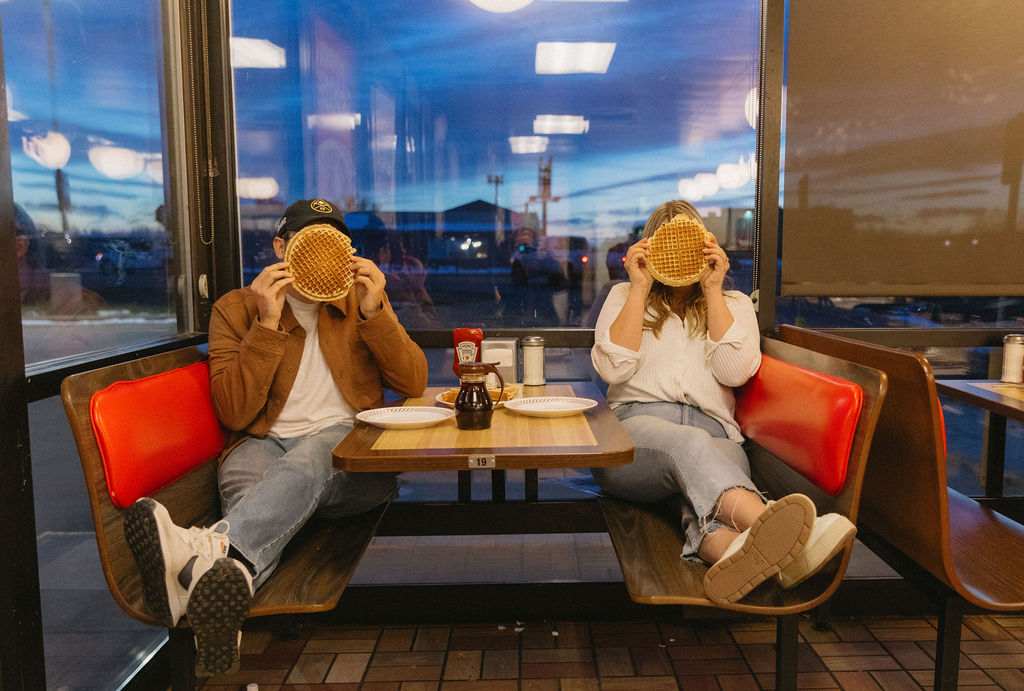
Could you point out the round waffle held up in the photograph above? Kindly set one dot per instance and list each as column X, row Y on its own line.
column 321, row 261
column 675, row 251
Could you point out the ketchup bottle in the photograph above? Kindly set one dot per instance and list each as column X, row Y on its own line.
column 467, row 346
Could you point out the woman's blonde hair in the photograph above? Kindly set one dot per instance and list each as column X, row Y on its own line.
column 661, row 301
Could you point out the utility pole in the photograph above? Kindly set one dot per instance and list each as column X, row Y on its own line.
column 499, row 229
column 544, row 196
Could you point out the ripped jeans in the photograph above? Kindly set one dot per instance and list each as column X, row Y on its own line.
column 683, row 457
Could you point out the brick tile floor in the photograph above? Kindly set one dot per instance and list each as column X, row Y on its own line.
column 890, row 653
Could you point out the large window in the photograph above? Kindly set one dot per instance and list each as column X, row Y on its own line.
column 99, row 249
column 495, row 157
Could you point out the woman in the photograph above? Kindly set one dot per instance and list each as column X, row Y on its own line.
column 671, row 356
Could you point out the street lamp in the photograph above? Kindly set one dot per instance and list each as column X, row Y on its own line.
column 544, row 183
column 499, row 230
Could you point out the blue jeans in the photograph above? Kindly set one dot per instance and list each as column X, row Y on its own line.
column 681, row 456
column 270, row 487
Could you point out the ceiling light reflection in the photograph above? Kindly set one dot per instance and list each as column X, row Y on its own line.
column 501, row 6
column 707, row 182
column 257, row 188
column 50, row 150
column 690, row 191
column 528, row 145
column 563, row 57
column 12, row 114
column 750, row 108
column 154, row 169
column 115, row 162
column 258, row 53
column 335, row 121
column 560, row 124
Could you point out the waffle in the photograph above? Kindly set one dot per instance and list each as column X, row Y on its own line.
column 320, row 257
column 676, row 252
column 511, row 391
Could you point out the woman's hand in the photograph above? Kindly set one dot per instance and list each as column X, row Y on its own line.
column 369, row 286
column 719, row 266
column 270, row 287
column 636, row 267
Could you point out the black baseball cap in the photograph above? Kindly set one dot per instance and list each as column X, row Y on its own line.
column 309, row 211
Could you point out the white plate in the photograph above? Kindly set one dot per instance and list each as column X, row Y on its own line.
column 405, row 417
column 550, row 406
column 452, row 404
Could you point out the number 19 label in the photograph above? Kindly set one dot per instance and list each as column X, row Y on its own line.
column 478, row 462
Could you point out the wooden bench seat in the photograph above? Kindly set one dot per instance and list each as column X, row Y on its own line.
column 316, row 566
column 957, row 551
column 803, row 412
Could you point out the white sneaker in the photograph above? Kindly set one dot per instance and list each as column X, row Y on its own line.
column 170, row 559
column 218, row 604
column 758, row 553
column 829, row 536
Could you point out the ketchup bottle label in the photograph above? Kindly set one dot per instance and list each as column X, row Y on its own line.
column 467, row 346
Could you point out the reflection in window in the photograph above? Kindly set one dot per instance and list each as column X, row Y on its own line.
column 492, row 157
column 95, row 264
column 87, row 142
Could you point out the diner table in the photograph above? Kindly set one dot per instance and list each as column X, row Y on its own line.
column 514, row 440
column 1002, row 401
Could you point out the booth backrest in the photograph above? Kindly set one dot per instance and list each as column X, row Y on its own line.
column 190, row 495
column 905, row 488
column 152, row 431
column 806, row 418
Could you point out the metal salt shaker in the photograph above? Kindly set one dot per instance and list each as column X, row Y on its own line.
column 1013, row 358
column 533, row 360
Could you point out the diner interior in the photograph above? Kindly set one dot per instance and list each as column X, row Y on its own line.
column 860, row 164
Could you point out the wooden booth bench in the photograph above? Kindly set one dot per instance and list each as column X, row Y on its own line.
column 957, row 551
column 809, row 420
column 147, row 428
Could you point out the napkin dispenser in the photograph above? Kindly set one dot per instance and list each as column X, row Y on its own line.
column 504, row 352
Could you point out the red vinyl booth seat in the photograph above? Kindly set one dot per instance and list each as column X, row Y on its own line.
column 153, row 430
column 785, row 408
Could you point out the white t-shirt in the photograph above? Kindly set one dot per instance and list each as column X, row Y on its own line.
column 677, row 367
column 314, row 402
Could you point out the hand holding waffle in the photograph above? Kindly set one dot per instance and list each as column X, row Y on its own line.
column 718, row 265
column 369, row 286
column 270, row 287
column 637, row 259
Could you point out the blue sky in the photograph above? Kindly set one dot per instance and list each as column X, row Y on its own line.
column 446, row 81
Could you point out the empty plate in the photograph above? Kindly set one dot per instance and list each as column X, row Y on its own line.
column 405, row 417
column 550, row 406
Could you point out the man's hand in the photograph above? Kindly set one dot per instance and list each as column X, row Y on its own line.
column 270, row 288
column 369, row 286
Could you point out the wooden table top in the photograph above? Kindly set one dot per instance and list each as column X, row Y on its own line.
column 991, row 394
column 514, row 441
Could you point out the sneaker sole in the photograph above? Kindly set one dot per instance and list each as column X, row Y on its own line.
column 776, row 537
column 810, row 561
column 217, row 607
column 143, row 537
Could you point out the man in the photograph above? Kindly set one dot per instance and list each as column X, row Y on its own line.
column 287, row 376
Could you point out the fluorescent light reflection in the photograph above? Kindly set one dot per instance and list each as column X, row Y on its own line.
column 258, row 53
column 528, row 145
column 563, row 57
column 560, row 124
column 257, row 188
column 335, row 121
column 501, row 6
